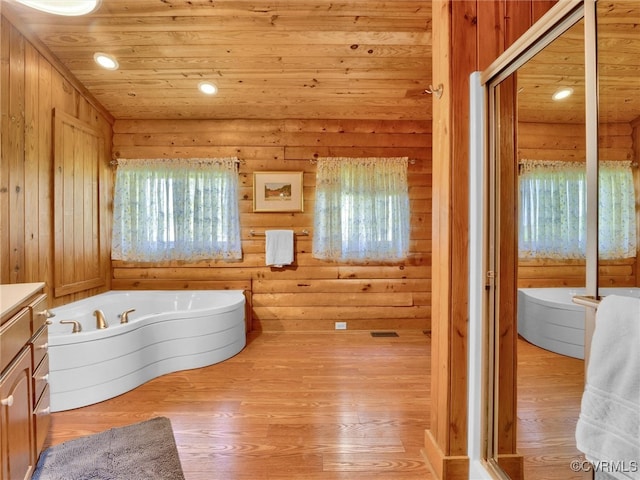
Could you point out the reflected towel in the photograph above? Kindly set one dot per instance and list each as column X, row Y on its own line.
column 608, row 428
column 279, row 247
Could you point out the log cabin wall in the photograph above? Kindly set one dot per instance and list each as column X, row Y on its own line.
column 311, row 294
column 565, row 142
column 33, row 87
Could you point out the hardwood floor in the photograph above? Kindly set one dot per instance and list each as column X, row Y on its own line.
column 550, row 389
column 330, row 406
column 291, row 405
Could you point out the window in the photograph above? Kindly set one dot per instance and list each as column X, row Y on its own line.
column 361, row 210
column 176, row 210
column 553, row 210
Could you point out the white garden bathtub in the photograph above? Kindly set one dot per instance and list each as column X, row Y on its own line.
column 548, row 318
column 168, row 331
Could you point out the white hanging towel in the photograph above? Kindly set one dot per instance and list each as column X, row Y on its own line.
column 279, row 247
column 608, row 429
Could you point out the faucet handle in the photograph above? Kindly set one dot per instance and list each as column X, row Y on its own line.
column 77, row 327
column 124, row 316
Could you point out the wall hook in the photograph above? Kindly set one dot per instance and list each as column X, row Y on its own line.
column 436, row 91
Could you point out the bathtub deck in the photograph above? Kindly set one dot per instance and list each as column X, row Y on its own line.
column 330, row 406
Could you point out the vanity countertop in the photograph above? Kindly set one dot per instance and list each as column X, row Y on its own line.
column 12, row 295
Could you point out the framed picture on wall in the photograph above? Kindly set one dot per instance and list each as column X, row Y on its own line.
column 277, row 192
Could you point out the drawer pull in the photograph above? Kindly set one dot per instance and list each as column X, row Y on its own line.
column 46, row 314
column 43, row 378
column 44, row 411
column 7, row 402
column 44, row 346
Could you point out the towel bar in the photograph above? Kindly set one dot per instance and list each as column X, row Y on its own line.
column 586, row 300
column 253, row 233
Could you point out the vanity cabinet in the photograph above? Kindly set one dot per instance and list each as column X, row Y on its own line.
column 24, row 369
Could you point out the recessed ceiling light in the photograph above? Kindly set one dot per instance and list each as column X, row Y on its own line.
column 562, row 93
column 208, row 88
column 106, row 61
column 70, row 8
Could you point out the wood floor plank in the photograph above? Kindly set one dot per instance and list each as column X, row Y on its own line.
column 331, row 406
column 314, row 406
column 550, row 389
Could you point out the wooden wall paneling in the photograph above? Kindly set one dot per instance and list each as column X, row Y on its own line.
column 78, row 150
column 454, row 23
column 31, row 164
column 567, row 273
column 517, row 19
column 4, row 151
column 31, row 88
column 565, row 142
column 15, row 155
column 491, row 18
column 437, row 437
column 45, row 177
column 294, row 145
column 506, row 286
column 539, row 8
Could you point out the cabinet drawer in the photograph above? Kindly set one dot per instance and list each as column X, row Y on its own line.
column 40, row 313
column 40, row 379
column 42, row 420
column 40, row 345
column 14, row 335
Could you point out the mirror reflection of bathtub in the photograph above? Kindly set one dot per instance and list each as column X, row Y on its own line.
column 548, row 318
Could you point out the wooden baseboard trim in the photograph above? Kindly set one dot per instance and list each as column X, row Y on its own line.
column 512, row 464
column 444, row 467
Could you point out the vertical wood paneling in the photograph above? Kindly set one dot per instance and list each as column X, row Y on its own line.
column 486, row 29
column 4, row 150
column 463, row 31
column 15, row 155
column 45, row 174
column 77, row 153
column 350, row 293
column 446, row 440
column 31, row 163
column 31, row 87
column 507, row 273
column 540, row 7
column 437, row 438
column 491, row 18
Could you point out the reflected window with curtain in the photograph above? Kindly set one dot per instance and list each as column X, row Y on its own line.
column 361, row 210
column 176, row 209
column 553, row 210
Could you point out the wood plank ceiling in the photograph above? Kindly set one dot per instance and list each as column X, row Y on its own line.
column 561, row 64
column 308, row 59
column 356, row 59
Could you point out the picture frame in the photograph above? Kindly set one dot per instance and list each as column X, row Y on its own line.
column 278, row 191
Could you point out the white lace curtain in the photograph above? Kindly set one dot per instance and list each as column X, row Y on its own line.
column 176, row 209
column 361, row 210
column 553, row 210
